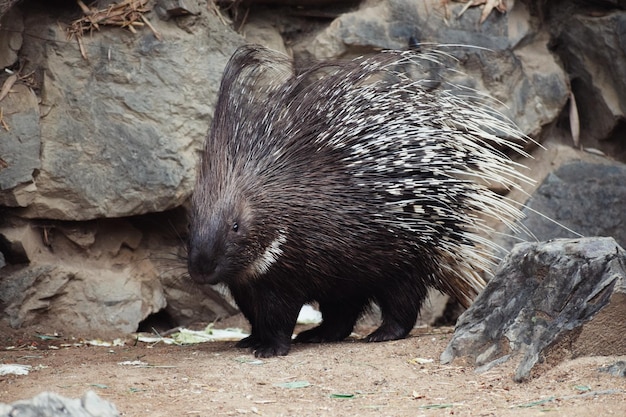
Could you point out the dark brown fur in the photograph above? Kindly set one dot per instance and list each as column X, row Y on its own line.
column 281, row 220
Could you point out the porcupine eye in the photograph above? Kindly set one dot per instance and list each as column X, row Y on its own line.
column 235, row 226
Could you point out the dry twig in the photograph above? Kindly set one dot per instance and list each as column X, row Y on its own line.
column 489, row 6
column 126, row 14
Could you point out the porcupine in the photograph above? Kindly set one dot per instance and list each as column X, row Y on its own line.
column 346, row 184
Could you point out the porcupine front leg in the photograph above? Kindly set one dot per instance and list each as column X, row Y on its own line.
column 338, row 318
column 272, row 320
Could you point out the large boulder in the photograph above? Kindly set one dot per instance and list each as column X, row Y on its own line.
column 124, row 123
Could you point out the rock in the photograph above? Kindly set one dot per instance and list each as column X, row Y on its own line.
column 173, row 8
column 103, row 276
column 20, row 147
column 432, row 308
column 503, row 59
column 12, row 25
column 262, row 29
column 593, row 48
column 59, row 298
column 76, row 277
column 6, row 5
column 188, row 304
column 579, row 196
column 548, row 302
column 125, row 125
column 49, row 404
column 305, row 3
column 617, row 369
column 21, row 242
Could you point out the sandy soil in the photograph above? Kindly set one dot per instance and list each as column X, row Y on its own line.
column 341, row 379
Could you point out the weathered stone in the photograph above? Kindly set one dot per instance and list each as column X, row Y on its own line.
column 58, row 297
column 125, row 125
column 593, row 49
column 21, row 242
column 547, row 302
column 188, row 304
column 173, row 8
column 12, row 25
column 20, row 146
column 583, row 197
column 19, row 196
column 524, row 76
column 49, row 404
column 76, row 276
column 262, row 30
column 98, row 276
column 617, row 369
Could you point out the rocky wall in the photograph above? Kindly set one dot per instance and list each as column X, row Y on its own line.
column 99, row 139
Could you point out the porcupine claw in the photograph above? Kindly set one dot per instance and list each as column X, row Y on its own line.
column 261, row 350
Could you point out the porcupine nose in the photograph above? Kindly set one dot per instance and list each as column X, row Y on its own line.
column 202, row 266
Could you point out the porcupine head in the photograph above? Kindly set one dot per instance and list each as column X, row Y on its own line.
column 228, row 241
column 236, row 229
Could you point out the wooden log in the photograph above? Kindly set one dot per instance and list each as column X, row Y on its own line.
column 548, row 302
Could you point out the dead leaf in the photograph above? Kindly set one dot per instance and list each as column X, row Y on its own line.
column 6, row 87
column 574, row 120
column 489, row 6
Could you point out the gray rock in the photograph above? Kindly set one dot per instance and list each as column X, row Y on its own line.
column 105, row 276
column 49, row 404
column 391, row 24
column 66, row 276
column 617, row 369
column 263, row 29
column 584, row 197
column 20, row 146
column 12, row 25
column 6, row 5
column 548, row 301
column 81, row 299
column 593, row 49
column 173, row 8
column 125, row 125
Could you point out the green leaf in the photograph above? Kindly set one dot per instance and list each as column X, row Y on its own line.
column 436, row 406
column 341, row 395
column 294, row 384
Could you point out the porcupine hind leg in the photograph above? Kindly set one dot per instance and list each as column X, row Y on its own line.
column 400, row 307
column 272, row 320
column 338, row 319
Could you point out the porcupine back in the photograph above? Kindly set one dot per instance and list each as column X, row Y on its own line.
column 347, row 168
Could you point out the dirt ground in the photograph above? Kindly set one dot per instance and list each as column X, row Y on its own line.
column 340, row 379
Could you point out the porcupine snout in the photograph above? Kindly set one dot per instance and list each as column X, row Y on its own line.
column 203, row 264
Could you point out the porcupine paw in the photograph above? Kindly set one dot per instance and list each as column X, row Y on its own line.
column 388, row 332
column 249, row 342
column 264, row 349
column 268, row 350
column 321, row 334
